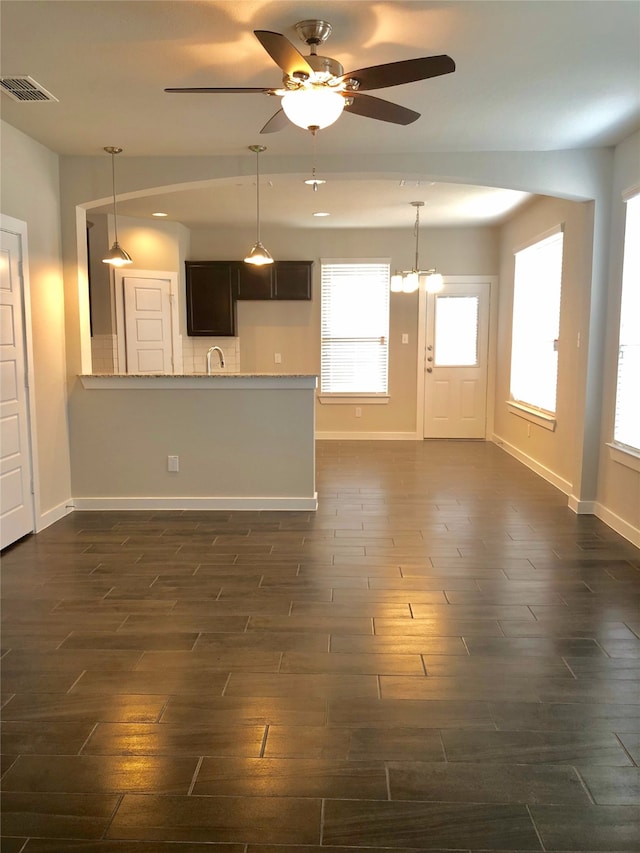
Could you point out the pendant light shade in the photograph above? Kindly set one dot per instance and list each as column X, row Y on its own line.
column 258, row 256
column 408, row 281
column 117, row 256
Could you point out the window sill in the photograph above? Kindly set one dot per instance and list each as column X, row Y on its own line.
column 534, row 416
column 627, row 456
column 353, row 399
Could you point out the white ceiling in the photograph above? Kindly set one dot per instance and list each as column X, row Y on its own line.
column 531, row 75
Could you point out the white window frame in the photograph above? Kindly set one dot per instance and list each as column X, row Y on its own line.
column 328, row 396
column 623, row 452
column 528, row 409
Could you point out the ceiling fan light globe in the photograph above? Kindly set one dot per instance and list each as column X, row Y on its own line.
column 117, row 256
column 315, row 107
column 258, row 256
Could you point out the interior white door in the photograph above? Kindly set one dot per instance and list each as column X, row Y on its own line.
column 16, row 501
column 148, row 332
column 457, row 341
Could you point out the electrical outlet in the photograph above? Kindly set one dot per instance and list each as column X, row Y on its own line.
column 277, row 357
column 358, row 412
column 173, row 463
column 405, row 338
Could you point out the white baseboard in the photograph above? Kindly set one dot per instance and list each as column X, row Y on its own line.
column 224, row 503
column 550, row 476
column 368, row 436
column 52, row 515
column 582, row 507
column 624, row 528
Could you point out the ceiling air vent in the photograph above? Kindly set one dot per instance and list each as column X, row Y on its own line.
column 24, row 88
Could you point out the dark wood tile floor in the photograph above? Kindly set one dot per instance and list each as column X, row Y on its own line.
column 443, row 657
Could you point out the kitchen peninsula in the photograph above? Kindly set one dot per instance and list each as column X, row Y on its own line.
column 238, row 441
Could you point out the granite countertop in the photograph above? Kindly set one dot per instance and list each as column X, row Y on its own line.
column 203, row 381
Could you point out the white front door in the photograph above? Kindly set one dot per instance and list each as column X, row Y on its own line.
column 147, row 311
column 16, row 500
column 457, row 339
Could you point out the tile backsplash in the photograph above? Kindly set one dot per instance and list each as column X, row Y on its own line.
column 194, row 355
column 104, row 354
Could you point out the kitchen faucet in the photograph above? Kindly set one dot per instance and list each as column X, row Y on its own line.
column 220, row 356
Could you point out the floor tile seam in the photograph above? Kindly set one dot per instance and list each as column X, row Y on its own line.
column 535, row 828
column 634, row 763
column 584, row 784
column 87, row 739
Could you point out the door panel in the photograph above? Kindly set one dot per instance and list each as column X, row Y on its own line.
column 457, row 336
column 16, row 501
column 147, row 310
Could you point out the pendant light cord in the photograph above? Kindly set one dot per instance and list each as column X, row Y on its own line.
column 258, row 195
column 417, row 230
column 113, row 187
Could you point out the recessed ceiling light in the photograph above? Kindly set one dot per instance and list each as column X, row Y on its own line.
column 159, row 215
column 321, row 213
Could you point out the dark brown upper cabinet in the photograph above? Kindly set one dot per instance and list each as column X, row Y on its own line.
column 255, row 282
column 292, row 280
column 213, row 287
column 211, row 298
column 280, row 280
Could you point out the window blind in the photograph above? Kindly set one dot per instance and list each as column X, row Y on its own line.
column 354, row 327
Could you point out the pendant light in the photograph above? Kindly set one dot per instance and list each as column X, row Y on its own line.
column 117, row 256
column 258, row 256
column 408, row 281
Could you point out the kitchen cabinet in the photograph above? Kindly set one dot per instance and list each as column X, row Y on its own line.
column 292, row 280
column 254, row 282
column 280, row 280
column 213, row 287
column 211, row 298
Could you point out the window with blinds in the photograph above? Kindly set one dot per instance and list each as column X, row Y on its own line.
column 536, row 323
column 627, row 416
column 354, row 327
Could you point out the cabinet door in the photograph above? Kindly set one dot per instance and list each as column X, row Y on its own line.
column 254, row 282
column 292, row 280
column 211, row 308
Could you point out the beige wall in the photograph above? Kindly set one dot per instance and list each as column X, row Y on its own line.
column 293, row 328
column 618, row 499
column 30, row 192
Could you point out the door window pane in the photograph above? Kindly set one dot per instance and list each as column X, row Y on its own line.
column 456, row 335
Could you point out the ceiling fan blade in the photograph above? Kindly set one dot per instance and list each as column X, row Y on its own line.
column 283, row 53
column 396, row 73
column 367, row 105
column 278, row 121
column 211, row 91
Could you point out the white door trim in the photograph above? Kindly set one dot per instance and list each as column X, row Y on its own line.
column 422, row 362
column 18, row 227
column 176, row 341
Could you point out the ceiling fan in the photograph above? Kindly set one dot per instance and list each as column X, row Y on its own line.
column 315, row 90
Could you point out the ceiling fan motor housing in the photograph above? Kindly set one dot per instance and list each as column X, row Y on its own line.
column 325, row 68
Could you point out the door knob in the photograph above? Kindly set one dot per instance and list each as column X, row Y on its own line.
column 429, row 369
